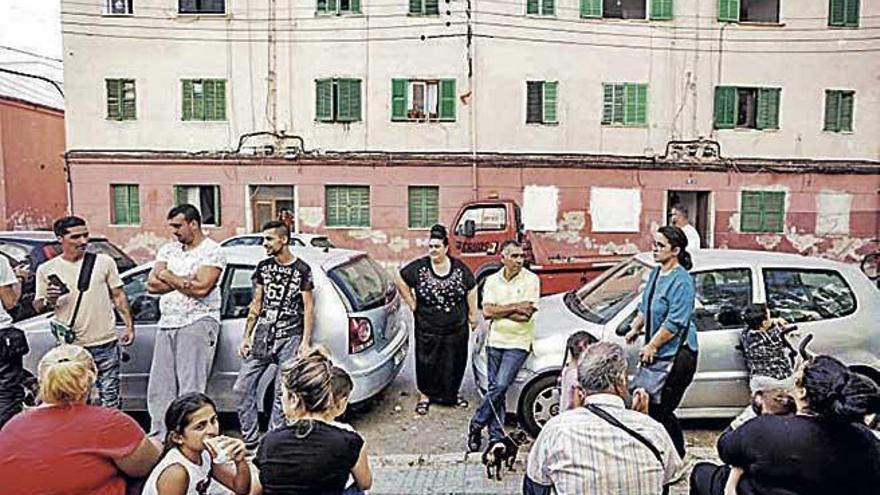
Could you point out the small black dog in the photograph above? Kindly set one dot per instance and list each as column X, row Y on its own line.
column 502, row 453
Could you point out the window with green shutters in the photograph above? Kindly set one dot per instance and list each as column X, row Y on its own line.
column 423, row 100
column 746, row 108
column 424, row 206
column 204, row 99
column 338, row 100
column 347, row 206
column 591, row 8
column 765, row 11
column 661, row 10
column 843, row 13
column 424, row 7
column 625, row 104
column 126, row 204
column 541, row 101
column 839, row 110
column 541, row 7
column 206, row 199
column 762, row 211
column 338, row 7
column 121, row 99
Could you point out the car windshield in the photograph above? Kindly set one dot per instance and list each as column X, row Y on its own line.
column 243, row 241
column 123, row 261
column 364, row 282
column 600, row 300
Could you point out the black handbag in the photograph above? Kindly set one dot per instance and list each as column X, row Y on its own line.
column 652, row 377
column 13, row 344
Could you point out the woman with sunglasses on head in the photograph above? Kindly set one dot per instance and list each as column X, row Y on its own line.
column 665, row 317
column 441, row 291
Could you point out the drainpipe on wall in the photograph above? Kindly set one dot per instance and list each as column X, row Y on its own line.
column 68, row 178
column 475, row 186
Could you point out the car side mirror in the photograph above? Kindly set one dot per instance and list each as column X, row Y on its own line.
column 469, row 229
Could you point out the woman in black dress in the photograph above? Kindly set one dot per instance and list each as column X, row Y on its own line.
column 441, row 291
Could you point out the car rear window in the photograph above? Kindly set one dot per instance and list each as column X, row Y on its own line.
column 364, row 282
column 123, row 261
column 799, row 295
column 321, row 242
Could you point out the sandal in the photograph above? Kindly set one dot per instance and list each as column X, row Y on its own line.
column 422, row 407
column 461, row 403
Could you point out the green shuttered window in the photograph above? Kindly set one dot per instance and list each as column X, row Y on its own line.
column 204, row 99
column 424, row 206
column 338, row 100
column 843, row 13
column 423, row 100
column 121, row 99
column 126, row 205
column 661, row 10
column 424, row 7
column 624, row 104
column 749, row 108
column 541, row 102
column 728, row 10
column 762, row 211
column 338, row 7
column 591, row 8
column 347, row 206
column 541, row 7
column 839, row 107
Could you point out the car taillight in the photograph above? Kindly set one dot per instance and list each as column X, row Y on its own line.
column 360, row 335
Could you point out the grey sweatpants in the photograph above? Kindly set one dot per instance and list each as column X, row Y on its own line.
column 182, row 360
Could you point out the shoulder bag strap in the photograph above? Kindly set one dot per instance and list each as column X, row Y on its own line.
column 598, row 411
column 82, row 283
column 653, row 286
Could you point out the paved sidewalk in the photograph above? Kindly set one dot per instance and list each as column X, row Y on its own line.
column 451, row 474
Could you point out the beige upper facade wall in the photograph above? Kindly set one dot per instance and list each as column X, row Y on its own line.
column 681, row 60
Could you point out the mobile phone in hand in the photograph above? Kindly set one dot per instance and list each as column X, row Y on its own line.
column 54, row 280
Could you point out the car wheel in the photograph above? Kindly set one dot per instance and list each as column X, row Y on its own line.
column 539, row 403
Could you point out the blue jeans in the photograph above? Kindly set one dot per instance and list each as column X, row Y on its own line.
column 245, row 389
column 503, row 366
column 106, row 358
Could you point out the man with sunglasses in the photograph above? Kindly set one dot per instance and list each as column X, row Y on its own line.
column 510, row 300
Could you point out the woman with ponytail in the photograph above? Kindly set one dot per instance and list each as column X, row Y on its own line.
column 670, row 333
column 312, row 454
column 66, row 446
column 825, row 448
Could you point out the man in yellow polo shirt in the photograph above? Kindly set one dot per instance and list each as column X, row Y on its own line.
column 510, row 300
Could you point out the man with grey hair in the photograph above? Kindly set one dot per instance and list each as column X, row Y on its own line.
column 681, row 219
column 596, row 448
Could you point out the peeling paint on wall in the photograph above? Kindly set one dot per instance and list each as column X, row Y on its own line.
column 311, row 216
column 803, row 243
column 613, row 248
column 540, row 208
column 28, row 219
column 398, row 244
column 143, row 246
column 832, row 212
column 374, row 236
column 768, row 241
column 846, row 248
column 568, row 229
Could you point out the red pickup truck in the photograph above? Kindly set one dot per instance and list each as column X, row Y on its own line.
column 481, row 226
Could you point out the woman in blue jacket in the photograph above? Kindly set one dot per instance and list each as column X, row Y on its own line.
column 669, row 301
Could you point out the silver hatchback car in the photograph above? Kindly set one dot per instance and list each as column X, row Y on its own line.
column 833, row 301
column 359, row 316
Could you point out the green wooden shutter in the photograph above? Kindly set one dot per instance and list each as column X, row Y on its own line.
column 321, row 6
column 728, row 10
column 324, row 100
column 180, row 195
column 607, row 104
column 432, row 7
column 331, row 206
column 332, row 6
column 343, row 100
column 209, row 93
column 447, row 100
column 768, row 108
column 591, row 8
column 635, row 104
column 134, row 205
column 354, row 109
column 219, row 101
column 548, row 7
column 359, row 206
column 423, row 206
column 851, row 13
column 641, row 116
column 832, row 111
column 398, row 99
column 532, row 7
column 725, row 107
column 550, row 93
column 120, row 205
column 750, row 211
column 773, row 211
column 355, row 6
column 187, row 100
column 129, row 99
column 415, row 6
column 114, row 95
column 198, row 111
column 837, row 13
column 661, row 10
column 845, row 117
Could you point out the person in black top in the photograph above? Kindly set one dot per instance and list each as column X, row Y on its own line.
column 311, row 455
column 279, row 324
column 825, row 448
column 441, row 291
